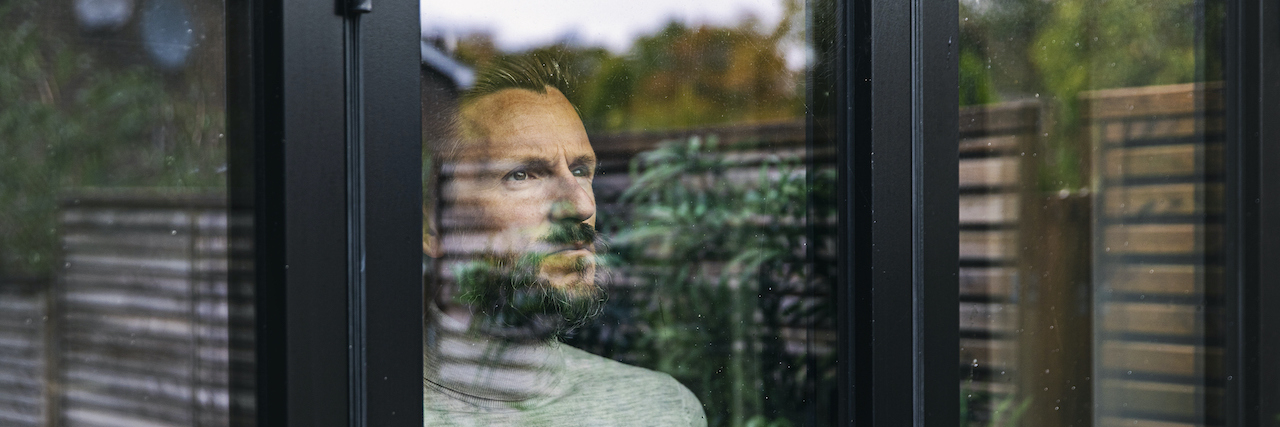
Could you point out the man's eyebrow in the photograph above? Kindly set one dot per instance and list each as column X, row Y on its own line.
column 536, row 163
column 586, row 160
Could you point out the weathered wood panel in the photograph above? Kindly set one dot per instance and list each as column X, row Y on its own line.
column 23, row 325
column 1160, row 193
column 142, row 311
column 994, row 147
column 1183, row 160
column 1182, row 360
column 988, row 209
column 996, row 246
column 1182, row 280
column 1163, row 199
column 987, row 282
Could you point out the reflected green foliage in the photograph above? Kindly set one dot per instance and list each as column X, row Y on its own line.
column 975, row 83
column 680, row 76
column 1007, row 410
column 1054, row 51
column 717, row 267
column 1088, row 44
column 67, row 121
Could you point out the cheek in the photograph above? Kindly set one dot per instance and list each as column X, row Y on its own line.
column 511, row 213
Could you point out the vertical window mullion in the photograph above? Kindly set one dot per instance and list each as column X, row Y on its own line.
column 1252, row 213
column 296, row 125
column 1267, row 199
column 936, row 209
column 391, row 54
column 902, row 146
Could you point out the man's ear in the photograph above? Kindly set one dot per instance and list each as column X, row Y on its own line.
column 430, row 235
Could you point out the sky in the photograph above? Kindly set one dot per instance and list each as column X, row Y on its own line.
column 518, row 24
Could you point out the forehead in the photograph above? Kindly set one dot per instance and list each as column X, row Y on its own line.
column 515, row 123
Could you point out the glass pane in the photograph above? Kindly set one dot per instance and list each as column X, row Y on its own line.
column 1090, row 211
column 629, row 182
column 113, row 227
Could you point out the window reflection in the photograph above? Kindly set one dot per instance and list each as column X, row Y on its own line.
column 1091, row 276
column 113, row 226
column 711, row 202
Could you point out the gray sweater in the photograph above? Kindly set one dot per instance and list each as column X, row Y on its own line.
column 472, row 382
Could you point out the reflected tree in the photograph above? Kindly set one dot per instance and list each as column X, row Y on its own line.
column 69, row 121
column 717, row 287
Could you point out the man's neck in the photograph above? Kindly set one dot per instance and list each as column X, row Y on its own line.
column 473, row 366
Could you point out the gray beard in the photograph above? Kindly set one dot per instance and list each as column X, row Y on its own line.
column 510, row 301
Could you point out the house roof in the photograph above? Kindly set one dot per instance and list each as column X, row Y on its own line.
column 459, row 74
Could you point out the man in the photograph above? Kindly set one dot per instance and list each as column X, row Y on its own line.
column 516, row 213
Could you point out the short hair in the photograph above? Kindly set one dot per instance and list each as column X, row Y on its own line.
column 533, row 72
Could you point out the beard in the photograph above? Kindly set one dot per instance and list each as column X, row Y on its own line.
column 512, row 300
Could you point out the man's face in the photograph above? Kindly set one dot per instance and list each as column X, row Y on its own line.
column 520, row 187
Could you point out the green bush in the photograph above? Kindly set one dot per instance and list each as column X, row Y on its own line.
column 68, row 121
column 710, row 256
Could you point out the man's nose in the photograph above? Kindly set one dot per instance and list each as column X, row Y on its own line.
column 574, row 202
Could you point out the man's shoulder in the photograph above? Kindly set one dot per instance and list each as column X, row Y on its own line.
column 581, row 361
column 643, row 390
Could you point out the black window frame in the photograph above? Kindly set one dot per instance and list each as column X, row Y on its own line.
column 324, row 120
column 325, row 129
column 1252, row 213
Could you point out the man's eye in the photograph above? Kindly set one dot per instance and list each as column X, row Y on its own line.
column 519, row 176
column 580, row 172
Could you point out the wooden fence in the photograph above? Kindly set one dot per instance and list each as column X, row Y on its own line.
column 23, row 325
column 140, row 311
column 1158, row 274
column 1067, row 298
column 996, row 157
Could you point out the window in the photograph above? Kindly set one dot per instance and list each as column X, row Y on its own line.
column 870, row 212
column 699, row 151
column 115, row 250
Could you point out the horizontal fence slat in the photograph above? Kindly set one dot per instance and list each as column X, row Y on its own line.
column 988, row 209
column 1163, row 279
column 1159, row 398
column 1152, row 101
column 996, row 282
column 1183, row 160
column 987, row 317
column 1183, row 360
column 1163, row 200
column 989, row 172
column 1161, row 239
column 999, row 356
column 1182, row 320
column 997, row 245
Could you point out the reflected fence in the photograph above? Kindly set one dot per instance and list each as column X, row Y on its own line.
column 1097, row 305
column 1106, row 294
